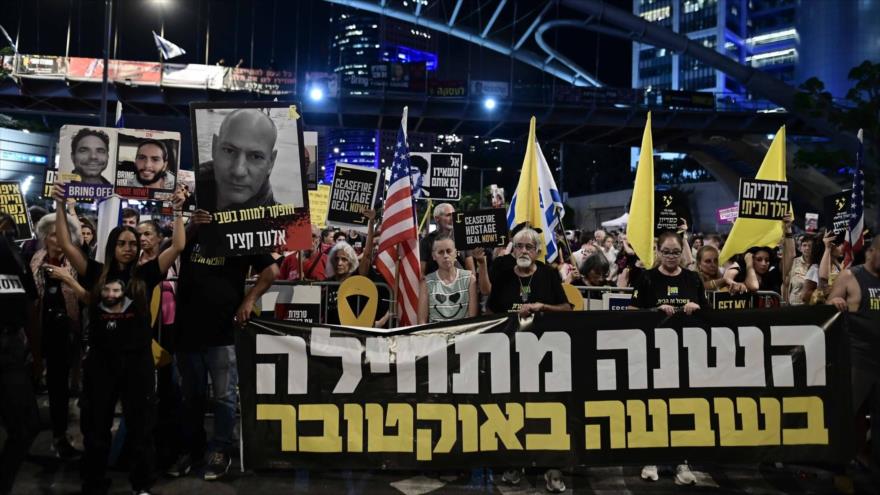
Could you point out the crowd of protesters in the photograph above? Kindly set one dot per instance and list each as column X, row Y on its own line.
column 89, row 325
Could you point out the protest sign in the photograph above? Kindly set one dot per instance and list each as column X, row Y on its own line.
column 727, row 215
column 440, row 178
column 670, row 208
column 312, row 159
column 13, row 203
column 187, row 180
column 480, row 228
column 305, row 305
column 811, row 222
column 146, row 164
column 319, row 201
column 763, row 199
column 49, row 177
column 560, row 389
column 837, row 211
column 89, row 153
column 250, row 174
column 726, row 300
column 614, row 301
column 352, row 193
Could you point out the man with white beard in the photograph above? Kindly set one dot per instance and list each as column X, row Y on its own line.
column 529, row 286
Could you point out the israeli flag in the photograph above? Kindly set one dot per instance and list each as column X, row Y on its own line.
column 168, row 49
column 119, row 122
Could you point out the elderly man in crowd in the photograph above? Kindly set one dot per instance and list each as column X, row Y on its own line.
column 443, row 217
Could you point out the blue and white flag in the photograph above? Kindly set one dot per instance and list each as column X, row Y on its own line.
column 168, row 49
column 119, row 122
column 537, row 199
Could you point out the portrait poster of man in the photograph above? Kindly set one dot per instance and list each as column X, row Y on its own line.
column 146, row 164
column 250, row 173
column 89, row 153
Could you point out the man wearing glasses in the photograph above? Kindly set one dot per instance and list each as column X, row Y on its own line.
column 529, row 286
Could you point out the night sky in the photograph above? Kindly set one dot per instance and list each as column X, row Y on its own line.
column 289, row 34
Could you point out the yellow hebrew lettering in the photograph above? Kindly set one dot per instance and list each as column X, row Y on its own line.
column 750, row 435
column 354, row 419
column 330, row 441
column 498, row 425
column 286, row 414
column 445, row 414
column 815, row 432
column 467, row 415
column 639, row 436
column 558, row 438
column 396, row 415
column 702, row 435
column 615, row 412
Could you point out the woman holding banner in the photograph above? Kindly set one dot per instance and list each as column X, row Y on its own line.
column 449, row 293
column 119, row 363
column 670, row 289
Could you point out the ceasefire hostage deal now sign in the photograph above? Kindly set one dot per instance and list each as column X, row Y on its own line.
column 481, row 228
column 561, row 389
column 353, row 192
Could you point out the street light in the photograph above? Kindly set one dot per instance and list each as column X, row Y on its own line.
column 316, row 93
column 489, row 103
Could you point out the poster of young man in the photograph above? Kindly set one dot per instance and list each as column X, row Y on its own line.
column 89, row 153
column 12, row 202
column 250, row 173
column 352, row 193
column 146, row 164
column 442, row 181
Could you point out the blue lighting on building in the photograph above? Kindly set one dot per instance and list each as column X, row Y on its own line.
column 352, row 146
column 399, row 53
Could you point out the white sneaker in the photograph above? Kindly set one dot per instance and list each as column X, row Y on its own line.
column 649, row 473
column 684, row 476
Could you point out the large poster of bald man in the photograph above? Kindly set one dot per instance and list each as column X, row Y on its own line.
column 89, row 154
column 250, row 174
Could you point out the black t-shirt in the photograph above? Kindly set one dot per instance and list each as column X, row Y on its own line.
column 770, row 281
column 543, row 286
column 864, row 328
column 17, row 287
column 431, row 266
column 135, row 333
column 653, row 289
column 209, row 291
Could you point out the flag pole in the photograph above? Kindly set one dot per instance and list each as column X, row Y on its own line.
column 395, row 317
column 425, row 217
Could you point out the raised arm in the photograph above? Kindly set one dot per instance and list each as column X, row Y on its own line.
column 825, row 263
column 367, row 256
column 178, row 237
column 788, row 253
column 687, row 258
column 479, row 255
column 73, row 253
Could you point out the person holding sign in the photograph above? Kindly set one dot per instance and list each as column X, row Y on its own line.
column 449, row 293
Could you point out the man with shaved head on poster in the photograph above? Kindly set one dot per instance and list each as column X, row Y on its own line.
column 243, row 155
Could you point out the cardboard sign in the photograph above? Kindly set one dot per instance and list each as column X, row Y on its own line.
column 87, row 160
column 146, row 164
column 670, row 207
column 12, row 202
column 837, row 211
column 436, row 176
column 481, row 228
column 613, row 301
column 726, row 300
column 811, row 222
column 353, row 192
column 319, row 201
column 49, row 176
column 727, row 215
column 763, row 199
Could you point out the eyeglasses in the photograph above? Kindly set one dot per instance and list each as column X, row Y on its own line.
column 670, row 253
column 524, row 247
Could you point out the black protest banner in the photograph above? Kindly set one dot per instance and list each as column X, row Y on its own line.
column 562, row 389
column 481, row 228
column 49, row 177
column 836, row 211
column 726, row 300
column 13, row 203
column 764, row 199
column 670, row 208
column 250, row 174
column 352, row 193
column 442, row 181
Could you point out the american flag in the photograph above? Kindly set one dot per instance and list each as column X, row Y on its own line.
column 399, row 239
column 855, row 235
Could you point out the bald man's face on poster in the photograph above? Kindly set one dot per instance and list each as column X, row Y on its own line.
column 249, row 160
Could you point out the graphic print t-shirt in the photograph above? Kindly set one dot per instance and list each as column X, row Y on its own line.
column 654, row 289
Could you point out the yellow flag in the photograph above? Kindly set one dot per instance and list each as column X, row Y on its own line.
column 640, row 227
column 526, row 203
column 750, row 232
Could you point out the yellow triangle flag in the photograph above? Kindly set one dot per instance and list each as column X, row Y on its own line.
column 527, row 205
column 751, row 232
column 640, row 227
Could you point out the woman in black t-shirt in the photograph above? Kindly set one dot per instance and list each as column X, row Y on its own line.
column 119, row 361
column 756, row 270
column 668, row 287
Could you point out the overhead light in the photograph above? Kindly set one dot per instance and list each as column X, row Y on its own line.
column 489, row 103
column 498, row 168
column 464, row 167
column 316, row 94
